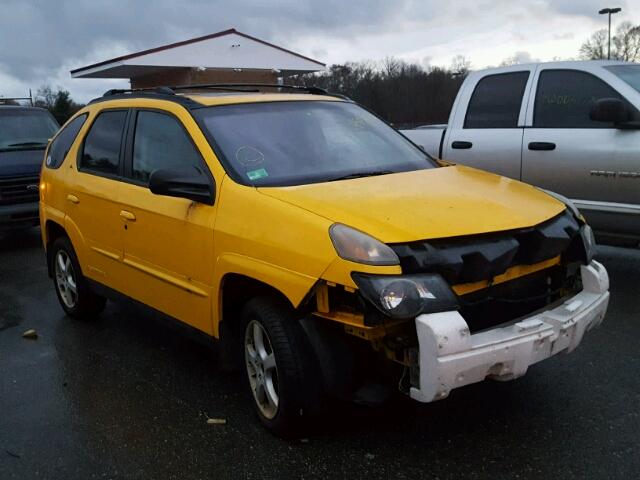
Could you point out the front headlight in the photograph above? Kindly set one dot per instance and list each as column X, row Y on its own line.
column 406, row 296
column 358, row 247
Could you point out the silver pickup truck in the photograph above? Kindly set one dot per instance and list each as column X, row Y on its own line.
column 569, row 127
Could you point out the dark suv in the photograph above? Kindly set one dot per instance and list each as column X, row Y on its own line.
column 24, row 132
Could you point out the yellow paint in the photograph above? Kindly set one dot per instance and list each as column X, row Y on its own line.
column 427, row 204
column 322, row 298
column 510, row 274
column 175, row 255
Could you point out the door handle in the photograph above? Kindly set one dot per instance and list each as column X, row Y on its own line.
column 461, row 145
column 542, row 146
column 127, row 215
column 73, row 198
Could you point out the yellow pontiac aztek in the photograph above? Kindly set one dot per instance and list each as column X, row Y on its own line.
column 329, row 255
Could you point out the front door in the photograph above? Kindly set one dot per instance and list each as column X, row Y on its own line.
column 168, row 246
column 591, row 162
column 489, row 134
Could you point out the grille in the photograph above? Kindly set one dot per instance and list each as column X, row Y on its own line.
column 19, row 190
column 482, row 257
column 511, row 300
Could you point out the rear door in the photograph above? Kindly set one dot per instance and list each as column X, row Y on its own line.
column 92, row 200
column 488, row 133
column 168, row 242
column 585, row 160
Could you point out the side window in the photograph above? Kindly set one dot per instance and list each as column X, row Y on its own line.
column 101, row 150
column 564, row 98
column 496, row 101
column 160, row 141
column 62, row 143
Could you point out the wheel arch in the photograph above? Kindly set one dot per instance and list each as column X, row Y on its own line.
column 235, row 291
column 52, row 231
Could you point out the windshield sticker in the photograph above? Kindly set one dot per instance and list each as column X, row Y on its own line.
column 249, row 156
column 257, row 174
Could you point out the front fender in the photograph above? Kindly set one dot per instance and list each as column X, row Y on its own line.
column 293, row 285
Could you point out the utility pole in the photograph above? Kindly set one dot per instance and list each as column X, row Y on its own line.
column 609, row 11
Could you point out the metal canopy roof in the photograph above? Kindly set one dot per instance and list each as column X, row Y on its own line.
column 228, row 49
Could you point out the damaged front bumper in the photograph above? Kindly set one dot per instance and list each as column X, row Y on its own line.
column 450, row 357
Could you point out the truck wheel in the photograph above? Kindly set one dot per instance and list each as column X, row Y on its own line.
column 72, row 288
column 281, row 371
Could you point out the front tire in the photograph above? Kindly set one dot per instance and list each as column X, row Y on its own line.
column 72, row 288
column 280, row 369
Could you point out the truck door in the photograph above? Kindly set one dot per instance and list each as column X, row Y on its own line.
column 488, row 133
column 591, row 162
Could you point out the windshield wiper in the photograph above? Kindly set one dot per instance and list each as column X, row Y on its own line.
column 374, row 173
column 27, row 144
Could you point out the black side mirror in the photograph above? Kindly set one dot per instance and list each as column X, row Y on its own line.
column 610, row 110
column 183, row 182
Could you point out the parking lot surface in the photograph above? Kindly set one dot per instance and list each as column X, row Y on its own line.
column 126, row 396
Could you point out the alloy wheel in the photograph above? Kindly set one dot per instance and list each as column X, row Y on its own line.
column 261, row 369
column 66, row 279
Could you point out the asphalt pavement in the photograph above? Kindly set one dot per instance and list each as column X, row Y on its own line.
column 127, row 397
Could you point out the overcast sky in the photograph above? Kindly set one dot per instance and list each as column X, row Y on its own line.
column 41, row 40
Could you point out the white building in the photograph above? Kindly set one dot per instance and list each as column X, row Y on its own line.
column 224, row 57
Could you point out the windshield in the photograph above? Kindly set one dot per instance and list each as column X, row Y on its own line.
column 299, row 142
column 627, row 73
column 22, row 129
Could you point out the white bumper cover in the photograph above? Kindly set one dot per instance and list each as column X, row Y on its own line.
column 450, row 357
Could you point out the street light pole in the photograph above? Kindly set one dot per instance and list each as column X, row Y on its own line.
column 609, row 11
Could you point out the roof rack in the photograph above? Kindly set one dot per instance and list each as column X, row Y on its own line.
column 226, row 87
column 14, row 99
column 311, row 89
column 166, row 90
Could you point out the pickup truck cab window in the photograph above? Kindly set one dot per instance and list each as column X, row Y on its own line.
column 564, row 98
column 63, row 141
column 160, row 142
column 496, row 101
column 101, row 149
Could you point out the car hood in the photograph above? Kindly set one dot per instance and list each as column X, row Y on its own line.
column 16, row 163
column 425, row 204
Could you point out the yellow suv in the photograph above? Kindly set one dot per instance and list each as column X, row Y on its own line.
column 330, row 255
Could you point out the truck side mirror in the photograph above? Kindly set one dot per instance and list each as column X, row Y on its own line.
column 610, row 110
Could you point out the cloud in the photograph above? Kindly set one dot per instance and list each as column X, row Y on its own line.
column 41, row 40
column 585, row 8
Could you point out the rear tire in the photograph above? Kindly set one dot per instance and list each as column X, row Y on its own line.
column 281, row 372
column 72, row 288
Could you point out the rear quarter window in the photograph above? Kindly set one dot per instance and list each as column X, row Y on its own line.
column 61, row 145
column 101, row 148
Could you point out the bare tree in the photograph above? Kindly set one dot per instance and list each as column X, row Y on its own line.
column 58, row 102
column 625, row 44
column 595, row 48
column 518, row 58
column 391, row 67
column 461, row 65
